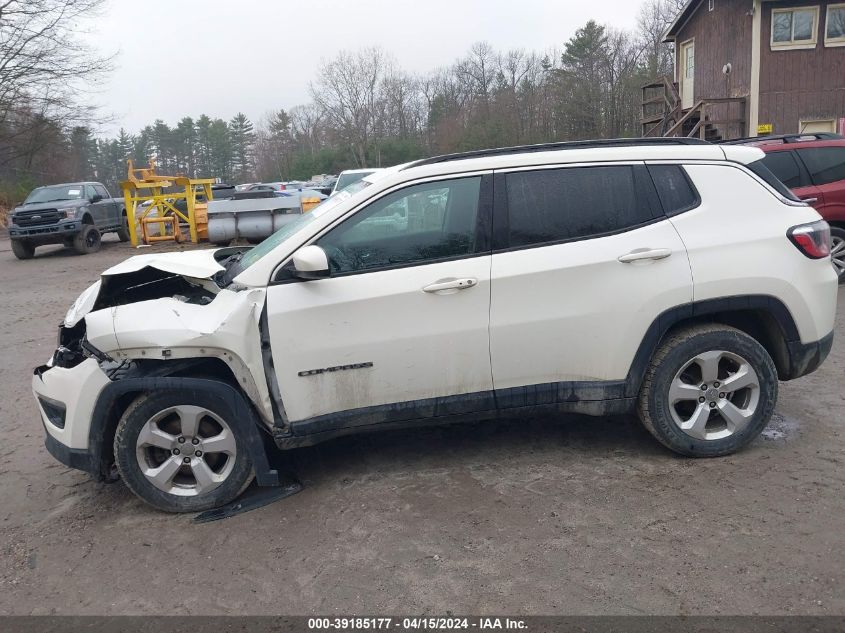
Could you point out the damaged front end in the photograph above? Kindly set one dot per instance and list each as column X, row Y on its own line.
column 165, row 315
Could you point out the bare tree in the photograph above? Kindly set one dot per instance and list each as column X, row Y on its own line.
column 653, row 21
column 44, row 69
column 42, row 56
column 305, row 123
column 478, row 71
column 347, row 93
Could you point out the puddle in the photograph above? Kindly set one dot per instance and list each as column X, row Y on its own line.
column 780, row 427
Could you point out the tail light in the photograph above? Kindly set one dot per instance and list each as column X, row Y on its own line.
column 813, row 239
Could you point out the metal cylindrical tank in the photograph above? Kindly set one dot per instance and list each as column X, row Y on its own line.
column 222, row 228
column 254, row 224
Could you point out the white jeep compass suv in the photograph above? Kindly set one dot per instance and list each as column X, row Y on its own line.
column 670, row 277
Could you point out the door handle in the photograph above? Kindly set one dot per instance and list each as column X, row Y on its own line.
column 810, row 200
column 451, row 284
column 642, row 254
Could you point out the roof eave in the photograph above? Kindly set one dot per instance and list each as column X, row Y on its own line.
column 680, row 20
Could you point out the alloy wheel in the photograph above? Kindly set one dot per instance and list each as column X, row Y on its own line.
column 837, row 254
column 714, row 395
column 186, row 450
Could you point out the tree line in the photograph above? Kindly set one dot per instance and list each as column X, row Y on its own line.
column 364, row 110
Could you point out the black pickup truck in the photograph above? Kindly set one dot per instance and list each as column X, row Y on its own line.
column 74, row 214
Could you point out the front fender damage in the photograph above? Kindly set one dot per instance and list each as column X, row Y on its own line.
column 170, row 328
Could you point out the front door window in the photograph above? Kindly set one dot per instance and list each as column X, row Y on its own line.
column 423, row 223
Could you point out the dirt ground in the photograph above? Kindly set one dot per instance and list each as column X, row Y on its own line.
column 572, row 516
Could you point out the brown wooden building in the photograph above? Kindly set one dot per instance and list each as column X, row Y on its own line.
column 749, row 67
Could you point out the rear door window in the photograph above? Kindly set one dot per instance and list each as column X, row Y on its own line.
column 785, row 167
column 825, row 164
column 674, row 188
column 557, row 205
column 759, row 168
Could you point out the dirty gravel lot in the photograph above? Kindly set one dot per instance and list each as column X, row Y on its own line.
column 578, row 515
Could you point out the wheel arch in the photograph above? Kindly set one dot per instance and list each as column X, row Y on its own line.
column 764, row 318
column 118, row 395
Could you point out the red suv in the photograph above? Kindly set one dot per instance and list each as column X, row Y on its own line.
column 813, row 166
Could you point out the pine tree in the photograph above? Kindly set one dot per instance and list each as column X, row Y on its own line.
column 185, row 137
column 83, row 154
column 202, row 153
column 582, row 82
column 242, row 137
column 220, row 150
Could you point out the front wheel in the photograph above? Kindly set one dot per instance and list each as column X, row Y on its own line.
column 837, row 251
column 181, row 453
column 23, row 249
column 709, row 391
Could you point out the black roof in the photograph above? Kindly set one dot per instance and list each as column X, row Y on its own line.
column 564, row 145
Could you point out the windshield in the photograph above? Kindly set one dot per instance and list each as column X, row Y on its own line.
column 55, row 194
column 290, row 229
column 347, row 179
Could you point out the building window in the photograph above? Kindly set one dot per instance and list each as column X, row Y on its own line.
column 816, row 126
column 711, row 5
column 795, row 28
column 834, row 33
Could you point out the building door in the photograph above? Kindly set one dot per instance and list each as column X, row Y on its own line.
column 687, row 74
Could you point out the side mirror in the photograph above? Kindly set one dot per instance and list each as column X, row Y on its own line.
column 311, row 262
column 96, row 198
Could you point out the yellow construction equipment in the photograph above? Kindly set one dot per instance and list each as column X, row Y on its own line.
column 144, row 185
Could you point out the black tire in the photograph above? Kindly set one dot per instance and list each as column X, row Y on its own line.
column 23, row 249
column 837, row 236
column 672, row 357
column 238, row 475
column 123, row 233
column 88, row 240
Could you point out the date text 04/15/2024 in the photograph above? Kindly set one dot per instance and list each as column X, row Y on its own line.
column 428, row 623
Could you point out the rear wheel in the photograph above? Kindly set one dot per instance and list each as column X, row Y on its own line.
column 837, row 251
column 180, row 453
column 87, row 240
column 123, row 232
column 709, row 391
column 23, row 249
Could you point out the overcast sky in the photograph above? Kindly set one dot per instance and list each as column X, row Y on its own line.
column 189, row 57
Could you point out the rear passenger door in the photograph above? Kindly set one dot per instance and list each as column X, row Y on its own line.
column 109, row 208
column 97, row 209
column 827, row 170
column 584, row 261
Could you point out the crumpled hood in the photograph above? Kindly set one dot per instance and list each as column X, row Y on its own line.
column 197, row 264
column 189, row 264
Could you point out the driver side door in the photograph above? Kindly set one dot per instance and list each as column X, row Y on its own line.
column 399, row 331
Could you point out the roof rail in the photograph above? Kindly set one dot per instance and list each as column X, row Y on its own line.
column 785, row 138
column 563, row 145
